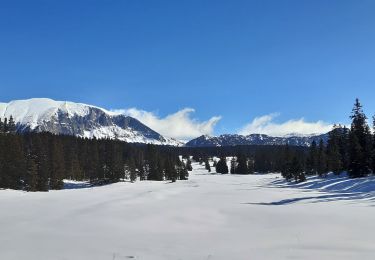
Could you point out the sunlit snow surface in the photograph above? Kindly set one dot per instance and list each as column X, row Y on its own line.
column 207, row 217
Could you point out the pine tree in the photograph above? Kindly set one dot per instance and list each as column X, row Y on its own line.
column 233, row 165
column 333, row 151
column 130, row 171
column 170, row 171
column 182, row 172
column 188, row 165
column 242, row 167
column 286, row 169
column 221, row 166
column 1, row 126
column 57, row 166
column 11, row 126
column 360, row 143
column 297, row 170
column 13, row 163
column 322, row 159
column 207, row 165
column 250, row 166
column 31, row 180
column 312, row 160
column 5, row 125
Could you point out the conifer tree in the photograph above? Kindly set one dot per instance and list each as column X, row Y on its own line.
column 322, row 159
column 312, row 159
column 207, row 165
column 221, row 166
column 242, row 167
column 333, row 151
column 57, row 166
column 188, row 165
column 360, row 143
column 31, row 180
column 233, row 164
column 170, row 171
column 11, row 126
column 5, row 126
column 286, row 170
column 297, row 170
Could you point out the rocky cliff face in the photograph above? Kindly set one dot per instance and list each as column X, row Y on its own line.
column 68, row 118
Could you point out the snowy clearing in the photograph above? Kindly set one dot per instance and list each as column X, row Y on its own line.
column 207, row 217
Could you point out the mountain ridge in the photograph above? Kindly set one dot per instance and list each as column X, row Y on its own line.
column 78, row 119
column 254, row 139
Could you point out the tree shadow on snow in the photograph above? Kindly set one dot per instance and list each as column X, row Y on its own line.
column 330, row 188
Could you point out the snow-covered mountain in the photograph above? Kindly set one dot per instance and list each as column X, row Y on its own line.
column 254, row 139
column 63, row 117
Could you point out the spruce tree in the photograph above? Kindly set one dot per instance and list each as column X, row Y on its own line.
column 312, row 159
column 242, row 167
column 11, row 126
column 333, row 151
column 286, row 169
column 233, row 164
column 207, row 165
column 322, row 159
column 31, row 180
column 5, row 125
column 188, row 165
column 296, row 170
column 57, row 166
column 221, row 166
column 360, row 143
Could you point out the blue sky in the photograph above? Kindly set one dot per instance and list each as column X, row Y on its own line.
column 240, row 60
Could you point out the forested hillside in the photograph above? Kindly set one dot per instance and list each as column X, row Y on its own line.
column 40, row 161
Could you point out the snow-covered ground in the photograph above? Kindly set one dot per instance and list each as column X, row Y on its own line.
column 207, row 217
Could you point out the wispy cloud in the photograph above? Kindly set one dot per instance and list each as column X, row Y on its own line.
column 266, row 125
column 179, row 125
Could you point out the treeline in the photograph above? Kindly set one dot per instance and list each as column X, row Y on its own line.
column 40, row 161
column 350, row 150
column 246, row 159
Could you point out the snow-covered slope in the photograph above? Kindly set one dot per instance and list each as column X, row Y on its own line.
column 63, row 117
column 208, row 217
column 254, row 139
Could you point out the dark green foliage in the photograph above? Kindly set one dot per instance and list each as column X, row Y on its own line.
column 360, row 143
column 40, row 161
column 188, row 165
column 221, row 166
column 296, row 170
column 286, row 170
column 322, row 159
column 207, row 165
column 242, row 166
column 312, row 160
column 233, row 165
column 11, row 126
column 334, row 158
column 31, row 178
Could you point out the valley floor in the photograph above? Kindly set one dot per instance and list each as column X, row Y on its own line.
column 207, row 217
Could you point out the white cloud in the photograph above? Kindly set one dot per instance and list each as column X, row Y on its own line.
column 179, row 125
column 266, row 125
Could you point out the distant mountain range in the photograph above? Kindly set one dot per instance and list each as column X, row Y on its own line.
column 68, row 118
column 254, row 139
